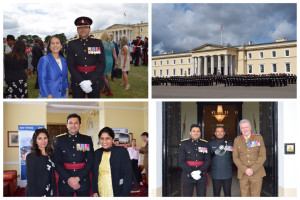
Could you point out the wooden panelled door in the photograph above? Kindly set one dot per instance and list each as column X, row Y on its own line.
column 54, row 130
column 171, row 138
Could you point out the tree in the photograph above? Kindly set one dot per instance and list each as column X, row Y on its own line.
column 63, row 37
column 47, row 38
column 29, row 38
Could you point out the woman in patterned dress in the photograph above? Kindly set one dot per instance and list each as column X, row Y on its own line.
column 39, row 167
column 112, row 174
column 15, row 64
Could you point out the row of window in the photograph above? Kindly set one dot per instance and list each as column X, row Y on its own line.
column 273, row 66
column 174, row 62
column 250, row 56
column 181, row 73
column 250, row 70
column 273, row 54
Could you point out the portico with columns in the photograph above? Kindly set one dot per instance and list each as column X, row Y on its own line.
column 227, row 60
column 210, row 59
column 129, row 30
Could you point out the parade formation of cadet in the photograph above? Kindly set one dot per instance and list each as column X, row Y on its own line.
column 221, row 165
column 86, row 61
column 73, row 158
column 194, row 160
column 249, row 155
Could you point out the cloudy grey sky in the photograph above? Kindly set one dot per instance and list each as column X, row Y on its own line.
column 51, row 18
column 182, row 27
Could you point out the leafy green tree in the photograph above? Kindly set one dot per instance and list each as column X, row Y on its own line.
column 47, row 38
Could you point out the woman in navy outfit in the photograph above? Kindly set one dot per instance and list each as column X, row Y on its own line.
column 39, row 167
column 53, row 71
column 112, row 168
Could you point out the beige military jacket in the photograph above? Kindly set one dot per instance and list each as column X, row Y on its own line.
column 250, row 154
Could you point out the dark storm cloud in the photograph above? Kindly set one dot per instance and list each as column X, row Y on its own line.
column 181, row 27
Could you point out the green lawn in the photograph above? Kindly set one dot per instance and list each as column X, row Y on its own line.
column 138, row 80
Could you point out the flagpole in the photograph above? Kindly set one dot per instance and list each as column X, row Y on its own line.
column 221, row 34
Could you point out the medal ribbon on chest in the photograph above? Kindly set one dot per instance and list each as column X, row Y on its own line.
column 253, row 144
column 202, row 149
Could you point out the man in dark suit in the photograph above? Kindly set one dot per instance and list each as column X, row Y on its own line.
column 86, row 61
column 194, row 160
column 73, row 158
column 37, row 53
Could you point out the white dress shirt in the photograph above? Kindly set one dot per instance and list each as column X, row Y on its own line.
column 134, row 155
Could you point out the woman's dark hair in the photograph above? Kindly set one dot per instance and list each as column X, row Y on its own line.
column 34, row 147
column 19, row 50
column 107, row 130
column 61, row 42
column 74, row 115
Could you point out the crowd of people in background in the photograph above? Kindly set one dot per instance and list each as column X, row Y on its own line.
column 51, row 61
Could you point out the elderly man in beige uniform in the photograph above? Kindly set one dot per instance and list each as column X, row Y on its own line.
column 249, row 155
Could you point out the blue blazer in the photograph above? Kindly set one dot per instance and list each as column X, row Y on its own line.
column 52, row 80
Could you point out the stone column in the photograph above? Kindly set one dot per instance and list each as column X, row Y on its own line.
column 115, row 36
column 199, row 65
column 193, row 65
column 130, row 36
column 212, row 65
column 226, row 65
column 231, row 65
column 219, row 64
column 205, row 65
column 234, row 64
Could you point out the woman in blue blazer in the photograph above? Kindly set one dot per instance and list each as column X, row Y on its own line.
column 53, row 71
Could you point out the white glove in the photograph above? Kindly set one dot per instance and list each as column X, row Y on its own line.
column 86, row 86
column 196, row 175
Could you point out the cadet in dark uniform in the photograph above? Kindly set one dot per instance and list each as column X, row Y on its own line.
column 73, row 158
column 145, row 52
column 194, row 160
column 221, row 164
column 138, row 43
column 86, row 61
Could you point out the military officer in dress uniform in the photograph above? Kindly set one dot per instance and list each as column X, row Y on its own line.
column 138, row 43
column 249, row 155
column 194, row 160
column 86, row 61
column 221, row 164
column 73, row 158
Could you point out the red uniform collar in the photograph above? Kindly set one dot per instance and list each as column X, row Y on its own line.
column 251, row 136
